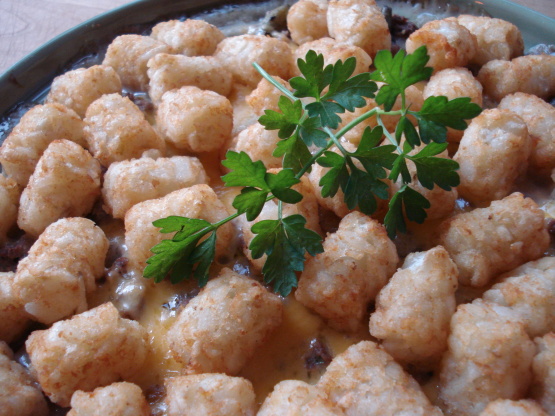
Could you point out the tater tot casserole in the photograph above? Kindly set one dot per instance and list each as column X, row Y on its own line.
column 455, row 316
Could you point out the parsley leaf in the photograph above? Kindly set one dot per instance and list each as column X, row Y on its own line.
column 410, row 202
column 177, row 255
column 398, row 73
column 439, row 112
column 327, row 112
column 243, row 171
column 295, row 153
column 286, row 121
column 311, row 133
column 285, row 242
column 316, row 77
column 258, row 184
column 334, row 178
column 432, row 170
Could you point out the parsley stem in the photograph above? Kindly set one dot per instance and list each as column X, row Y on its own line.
column 336, row 141
column 362, row 117
column 276, row 84
column 389, row 136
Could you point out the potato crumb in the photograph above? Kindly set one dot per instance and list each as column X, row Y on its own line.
column 492, row 155
column 13, row 318
column 118, row 399
column 219, row 330
column 190, row 38
column 529, row 290
column 489, row 358
column 489, row 241
column 66, row 183
column 129, row 54
column 77, row 89
column 414, row 309
column 496, row 38
column 90, row 350
column 307, row 20
column 360, row 23
column 294, row 397
column 356, row 263
column 116, row 129
column 543, row 366
column 169, row 72
column 449, row 43
column 532, row 74
column 19, row 394
column 129, row 182
column 365, row 380
column 61, row 268
column 210, row 394
column 502, row 407
column 38, row 127
column 195, row 120
column 238, row 53
column 540, row 120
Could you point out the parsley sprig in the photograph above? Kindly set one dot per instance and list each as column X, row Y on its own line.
column 309, row 133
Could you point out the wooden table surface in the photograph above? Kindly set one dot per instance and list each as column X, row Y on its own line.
column 27, row 24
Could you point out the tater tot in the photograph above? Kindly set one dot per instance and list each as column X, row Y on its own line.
column 449, row 44
column 307, row 207
column 90, row 350
column 168, row 72
column 502, row 407
column 195, row 120
column 492, row 155
column 365, row 380
column 266, row 96
column 543, row 367
column 529, row 290
column 496, row 38
column 116, row 129
column 9, row 201
column 190, row 38
column 62, row 266
column 489, row 241
column 77, row 89
column 360, row 23
column 40, row 126
column 296, row 398
column 209, row 394
column 414, row 309
column 129, row 182
column 532, row 74
column 259, row 144
column 307, row 20
column 334, row 51
column 238, row 53
column 198, row 201
column 13, row 318
column 65, row 183
column 19, row 395
column 117, row 399
column 489, row 358
column 540, row 120
column 219, row 330
column 129, row 54
column 356, row 263
column 454, row 83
